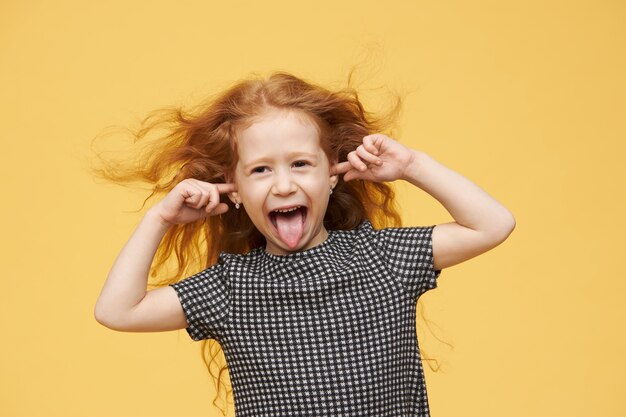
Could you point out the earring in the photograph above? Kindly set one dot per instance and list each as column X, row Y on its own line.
column 237, row 206
column 331, row 190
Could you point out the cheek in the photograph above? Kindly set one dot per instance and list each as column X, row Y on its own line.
column 250, row 191
column 322, row 181
column 320, row 187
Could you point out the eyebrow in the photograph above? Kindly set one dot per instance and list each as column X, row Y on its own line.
column 292, row 155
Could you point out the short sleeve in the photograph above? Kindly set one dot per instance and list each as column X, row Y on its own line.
column 408, row 254
column 204, row 298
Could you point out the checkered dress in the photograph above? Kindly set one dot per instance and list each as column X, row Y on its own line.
column 329, row 331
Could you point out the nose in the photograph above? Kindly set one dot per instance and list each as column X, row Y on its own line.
column 283, row 183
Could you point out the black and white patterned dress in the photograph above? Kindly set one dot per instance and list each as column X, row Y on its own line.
column 329, row 331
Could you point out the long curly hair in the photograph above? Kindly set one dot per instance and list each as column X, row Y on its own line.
column 201, row 143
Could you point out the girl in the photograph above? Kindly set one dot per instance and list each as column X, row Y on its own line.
column 311, row 298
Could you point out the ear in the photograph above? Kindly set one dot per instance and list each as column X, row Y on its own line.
column 334, row 179
column 233, row 196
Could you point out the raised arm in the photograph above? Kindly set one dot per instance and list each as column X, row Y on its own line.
column 481, row 222
column 124, row 303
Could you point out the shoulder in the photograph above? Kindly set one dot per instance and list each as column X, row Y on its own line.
column 396, row 242
column 365, row 230
column 228, row 260
column 348, row 240
column 215, row 275
column 381, row 241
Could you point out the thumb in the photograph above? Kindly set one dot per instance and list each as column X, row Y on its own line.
column 353, row 174
column 340, row 168
column 221, row 208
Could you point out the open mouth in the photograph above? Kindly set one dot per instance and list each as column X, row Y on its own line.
column 289, row 224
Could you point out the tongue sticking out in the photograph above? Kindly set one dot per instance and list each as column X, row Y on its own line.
column 290, row 226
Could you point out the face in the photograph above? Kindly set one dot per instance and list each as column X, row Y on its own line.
column 283, row 180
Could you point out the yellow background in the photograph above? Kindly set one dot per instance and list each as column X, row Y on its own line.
column 525, row 98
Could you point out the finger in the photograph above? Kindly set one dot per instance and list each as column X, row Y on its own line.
column 221, row 208
column 367, row 156
column 371, row 144
column 195, row 196
column 356, row 162
column 204, row 200
column 351, row 175
column 340, row 168
column 357, row 175
column 214, row 199
column 222, row 187
column 226, row 187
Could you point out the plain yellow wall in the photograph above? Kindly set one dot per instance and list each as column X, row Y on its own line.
column 525, row 98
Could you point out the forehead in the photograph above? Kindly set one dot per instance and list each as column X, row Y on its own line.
column 276, row 131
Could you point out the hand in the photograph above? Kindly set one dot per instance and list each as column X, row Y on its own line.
column 378, row 158
column 191, row 200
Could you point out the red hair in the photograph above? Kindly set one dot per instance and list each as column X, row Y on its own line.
column 201, row 144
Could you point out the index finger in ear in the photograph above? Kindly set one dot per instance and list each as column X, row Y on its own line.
column 226, row 188
column 340, row 168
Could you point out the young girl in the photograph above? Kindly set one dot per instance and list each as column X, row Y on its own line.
column 283, row 183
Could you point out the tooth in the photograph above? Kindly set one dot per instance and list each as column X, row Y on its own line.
column 287, row 210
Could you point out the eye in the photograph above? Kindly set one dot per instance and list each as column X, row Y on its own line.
column 300, row 164
column 258, row 170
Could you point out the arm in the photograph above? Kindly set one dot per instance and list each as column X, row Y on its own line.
column 124, row 304
column 481, row 223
